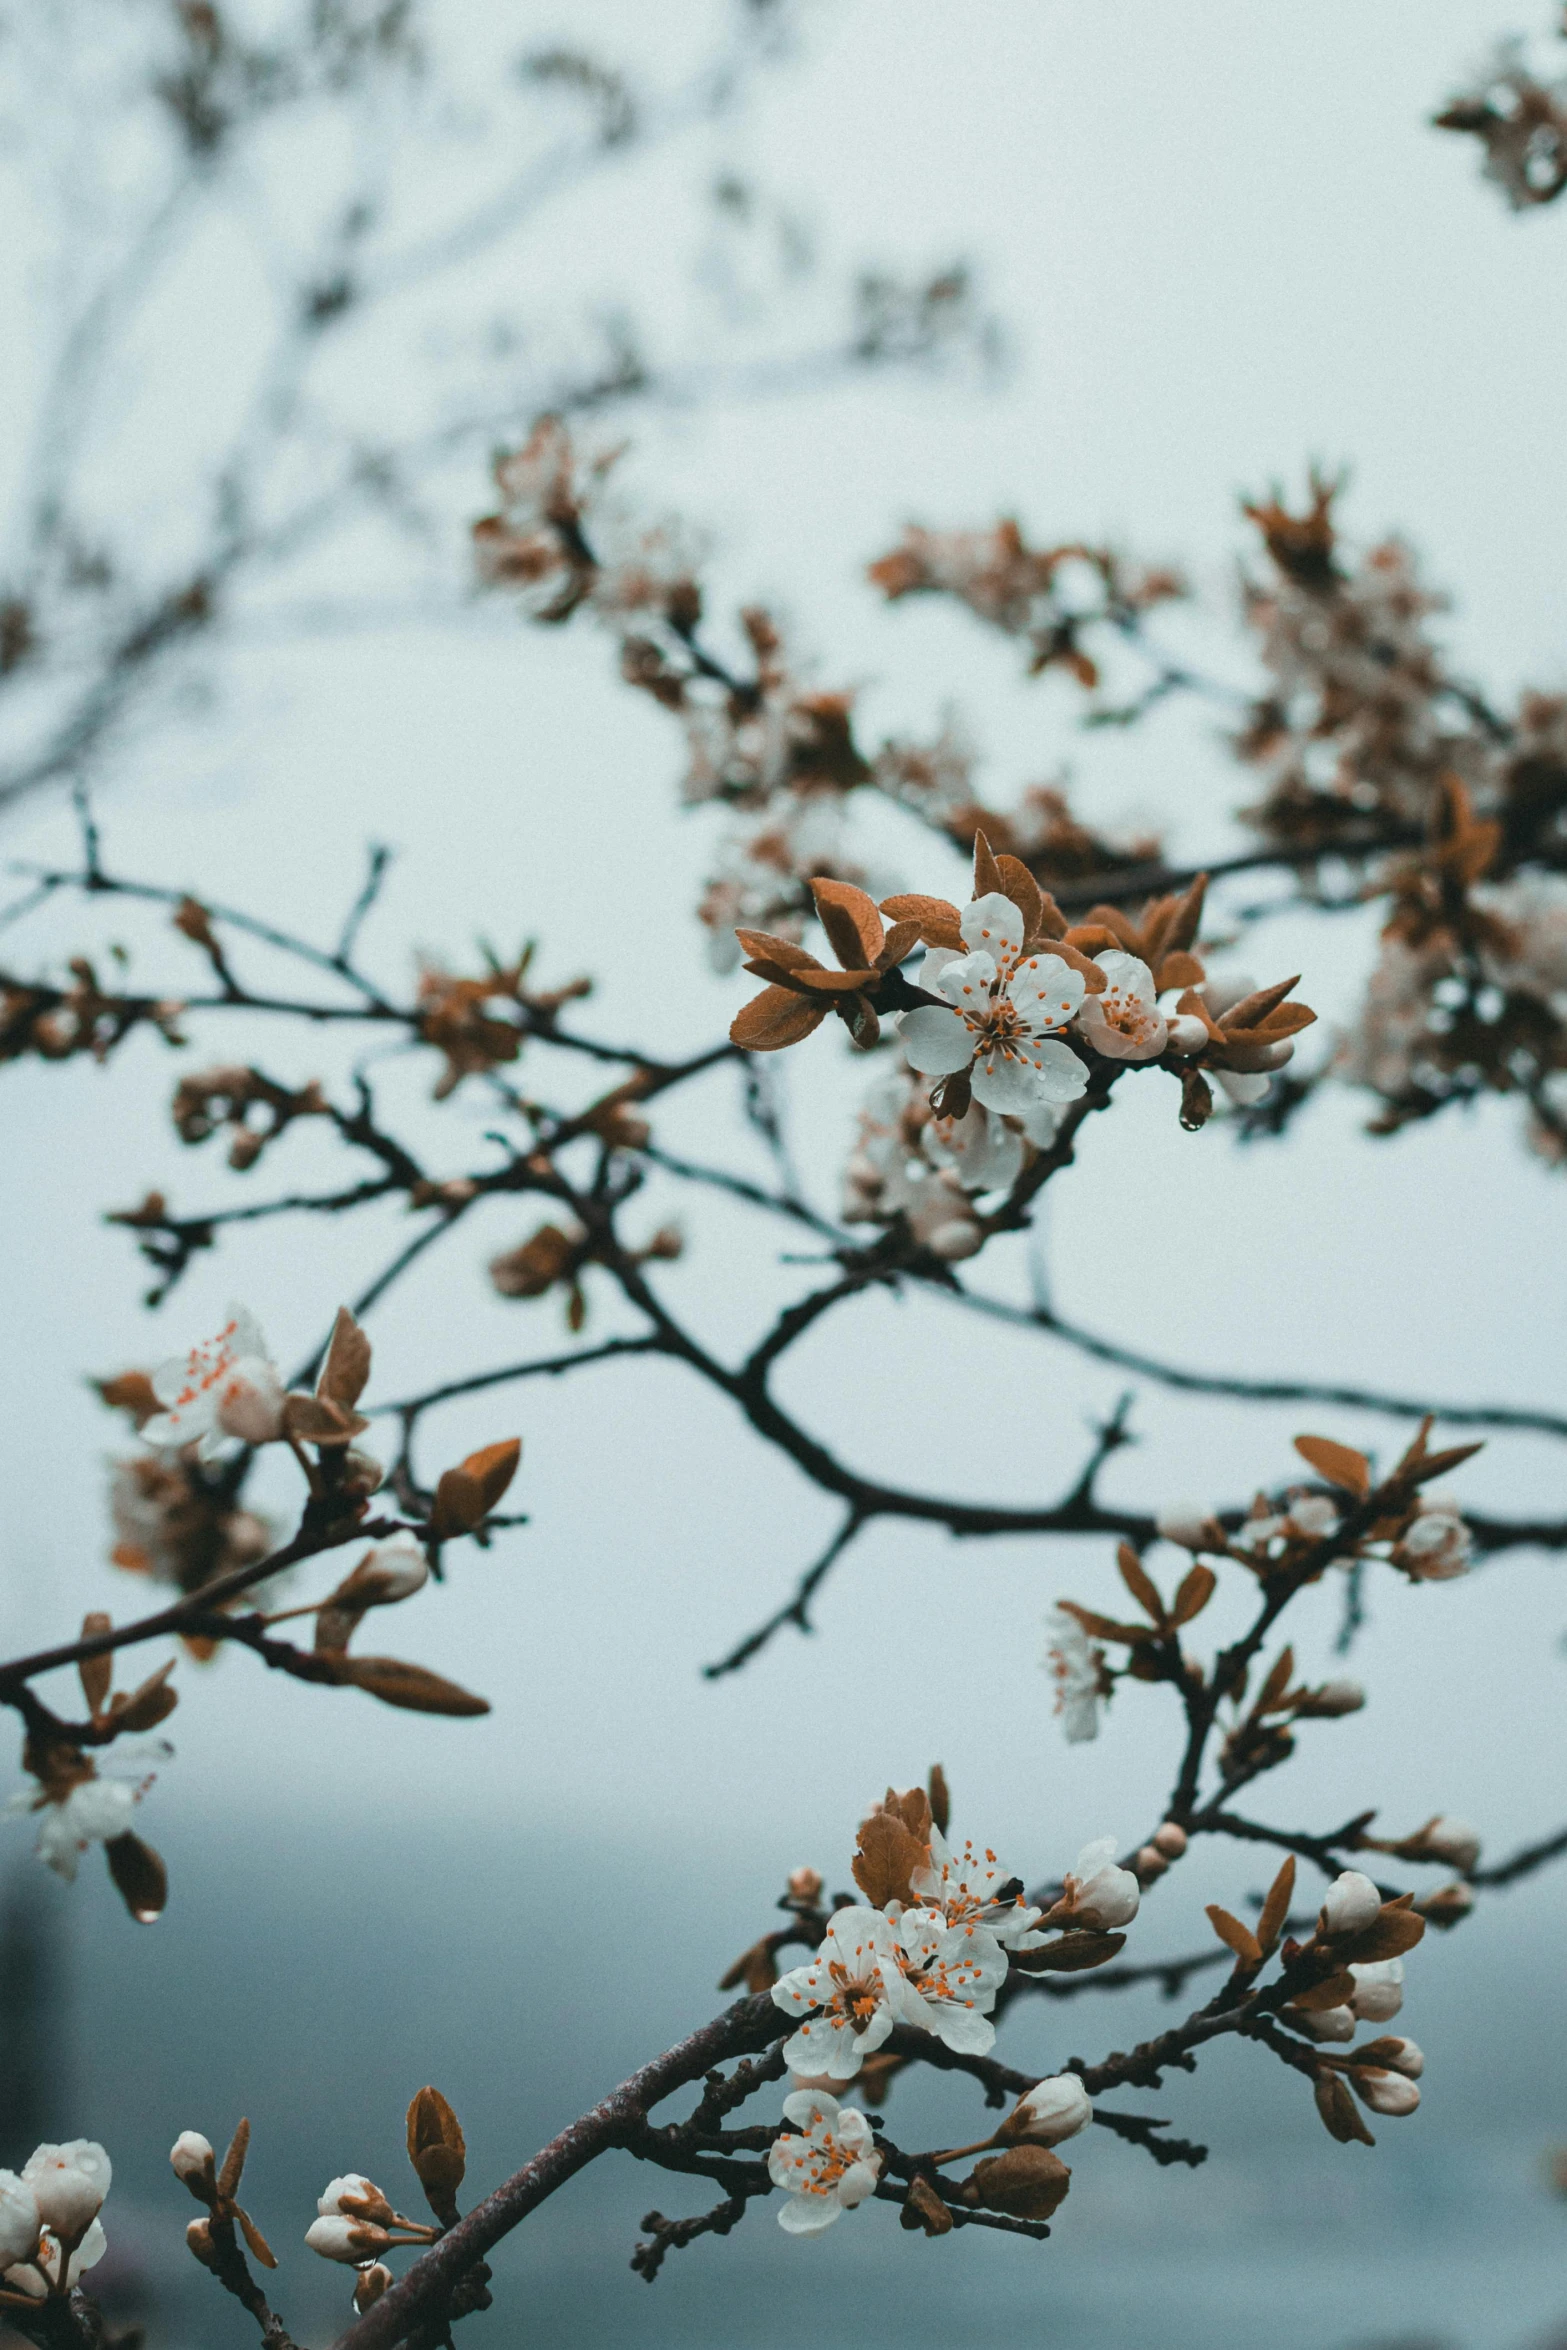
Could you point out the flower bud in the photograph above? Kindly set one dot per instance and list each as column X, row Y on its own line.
column 362, row 1472
column 1395, row 2055
column 69, row 2184
column 1453, row 1841
column 198, row 2241
column 1353, row 1903
column 1379, row 1989
column 1385, row 2092
column 806, row 1886
column 1149, row 1864
column 370, row 2284
column 1327, row 2023
column 1333, row 1699
column 1027, row 2181
column 1051, row 2112
column 1189, row 1524
column 352, row 2240
column 954, row 1240
column 1314, row 1516
column 1185, row 1034
column 1170, row 1840
column 19, row 2220
column 195, row 2163
column 1445, row 1907
column 355, row 2197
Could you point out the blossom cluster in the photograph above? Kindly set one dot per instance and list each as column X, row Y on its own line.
column 50, row 2232
column 1520, row 119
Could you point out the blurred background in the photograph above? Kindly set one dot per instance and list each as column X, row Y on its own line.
column 1203, row 248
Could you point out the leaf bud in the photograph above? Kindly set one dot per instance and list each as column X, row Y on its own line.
column 370, row 2284
column 1029, row 2182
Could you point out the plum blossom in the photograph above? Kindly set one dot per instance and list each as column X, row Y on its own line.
column 1379, row 1990
column 1051, row 2112
column 1077, row 1668
column 1352, row 1904
column 1402, row 2056
column 93, row 1811
column 857, row 1981
column 355, row 2197
column 954, row 1973
column 69, row 2185
column 1437, row 1546
column 830, row 2169
column 1191, row 1524
column 1005, row 1012
column 225, row 1386
column 967, row 1887
column 191, row 2157
column 19, row 2219
column 1095, row 1892
column 42, row 2274
column 1124, row 1022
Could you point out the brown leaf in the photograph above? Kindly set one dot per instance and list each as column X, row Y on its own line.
column 1396, row 1930
column 1140, row 1583
column 940, row 1799
column 315, row 1419
column 1024, row 891
column 1277, row 1682
column 1332, row 1991
column 765, row 948
column 131, row 1392
column 850, row 920
column 1072, row 1955
column 1192, row 1594
column 347, row 1364
column 140, row 1876
column 1254, row 1008
column 987, row 873
column 773, row 1019
column 96, row 1672
column 148, row 1705
column 937, row 919
column 900, row 941
column 755, row 1968
column 1349, row 1470
column 1339, row 2111
column 1439, row 1462
column 1277, row 1906
column 409, row 1686
column 436, row 2148
column 1106, row 1627
column 255, row 2239
column 466, row 1495
column 887, row 1856
column 233, row 2169
column 1239, row 1938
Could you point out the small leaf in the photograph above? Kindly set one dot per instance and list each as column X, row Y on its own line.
column 850, row 920
column 987, row 873
column 233, row 2169
column 940, row 1799
column 1277, row 1906
column 409, row 1686
column 1278, row 1680
column 347, row 1364
column 1072, row 1955
column 140, row 1876
column 148, row 1705
column 1339, row 2112
column 888, row 1853
column 1239, row 1938
column 773, row 1019
column 1333, row 1991
column 96, row 1672
column 1439, row 1462
column 1140, row 1583
column 1350, row 1471
column 1397, row 1929
column 466, row 1495
column 938, row 920
column 1196, row 1587
column 256, row 2240
column 1106, row 1627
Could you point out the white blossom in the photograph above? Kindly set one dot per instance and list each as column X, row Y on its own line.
column 1051, row 2112
column 191, row 2156
column 93, row 1811
column 1328, row 2023
column 1188, row 1523
column 965, row 1886
column 1076, row 1667
column 1314, row 1516
column 1437, row 1546
column 1096, row 1893
column 1379, row 1989
column 69, row 2184
column 351, row 2240
column 1352, row 1904
column 953, row 1975
column 1124, row 1021
column 856, row 1979
column 1005, row 1013
column 226, row 1386
column 1385, row 2092
column 44, row 2271
column 830, row 2169
column 20, row 2220
column 1450, row 1840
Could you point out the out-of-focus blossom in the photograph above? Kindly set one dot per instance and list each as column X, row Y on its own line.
column 20, row 2220
column 225, row 1387
column 1438, row 1545
column 1078, row 1669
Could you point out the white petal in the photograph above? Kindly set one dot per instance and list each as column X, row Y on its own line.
column 967, row 979
column 805, row 2106
column 1241, row 1085
column 1129, row 975
column 936, row 1042
column 993, row 922
column 807, row 2215
column 1047, row 991
column 1004, row 1085
column 929, row 973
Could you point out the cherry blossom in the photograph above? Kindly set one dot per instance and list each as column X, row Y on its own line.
column 967, row 1886
column 857, row 1981
column 1124, row 1023
column 42, row 2274
column 830, row 2169
column 93, row 1811
column 1051, row 2112
column 1437, row 1546
column 226, row 1386
column 1095, row 1892
column 1077, row 1668
column 69, row 2185
column 1352, row 1904
column 19, row 2219
column 1006, row 1011
column 954, row 1973
column 191, row 2156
